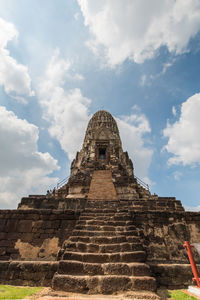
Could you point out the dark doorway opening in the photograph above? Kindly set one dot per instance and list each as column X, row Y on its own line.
column 102, row 153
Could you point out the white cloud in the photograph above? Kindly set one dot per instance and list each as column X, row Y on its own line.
column 174, row 112
column 177, row 175
column 166, row 66
column 132, row 130
column 13, row 75
column 148, row 181
column 78, row 77
column 143, row 80
column 76, row 16
column 23, row 168
column 136, row 29
column 192, row 208
column 66, row 110
column 183, row 135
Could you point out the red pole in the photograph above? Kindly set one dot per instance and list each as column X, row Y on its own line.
column 192, row 262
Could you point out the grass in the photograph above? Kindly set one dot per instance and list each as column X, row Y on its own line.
column 16, row 292
column 179, row 295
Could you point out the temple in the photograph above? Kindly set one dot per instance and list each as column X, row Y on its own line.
column 100, row 231
column 101, row 171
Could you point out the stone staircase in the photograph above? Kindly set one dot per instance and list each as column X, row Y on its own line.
column 102, row 186
column 104, row 254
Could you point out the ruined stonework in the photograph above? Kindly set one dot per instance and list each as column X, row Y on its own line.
column 102, row 150
column 102, row 231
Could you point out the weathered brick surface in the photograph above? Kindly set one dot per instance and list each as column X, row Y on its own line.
column 52, row 203
column 27, row 273
column 161, row 233
column 26, row 233
column 102, row 186
column 173, row 276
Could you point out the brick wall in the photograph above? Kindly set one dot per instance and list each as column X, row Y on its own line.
column 32, row 273
column 173, row 276
column 163, row 234
column 34, row 234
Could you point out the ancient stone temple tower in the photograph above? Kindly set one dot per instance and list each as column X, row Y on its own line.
column 99, row 231
column 102, row 163
column 101, row 170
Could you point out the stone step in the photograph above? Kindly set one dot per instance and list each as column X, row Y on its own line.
column 121, row 217
column 126, row 295
column 102, row 205
column 133, row 239
column 134, row 256
column 99, row 214
column 103, row 233
column 108, row 209
column 104, row 228
column 101, row 186
column 116, row 205
column 106, row 284
column 142, row 207
column 105, row 239
column 106, row 218
column 105, row 248
column 108, row 203
column 124, row 210
column 103, row 223
column 83, row 268
column 106, row 213
column 99, row 210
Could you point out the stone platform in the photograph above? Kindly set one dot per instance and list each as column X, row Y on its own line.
column 104, row 254
column 101, row 231
column 122, row 296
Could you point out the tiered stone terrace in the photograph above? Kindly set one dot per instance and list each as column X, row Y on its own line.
column 104, row 253
column 102, row 231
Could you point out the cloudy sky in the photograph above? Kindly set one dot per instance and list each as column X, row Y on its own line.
column 61, row 61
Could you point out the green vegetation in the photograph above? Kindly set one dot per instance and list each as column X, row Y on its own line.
column 178, row 295
column 16, row 292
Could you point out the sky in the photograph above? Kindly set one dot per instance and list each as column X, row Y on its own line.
column 61, row 61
